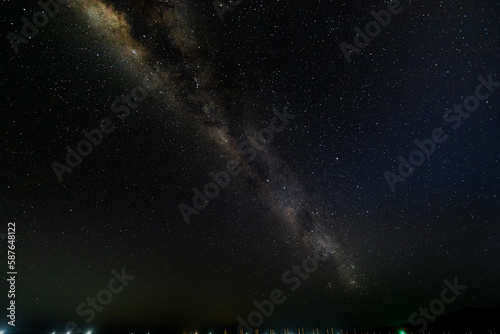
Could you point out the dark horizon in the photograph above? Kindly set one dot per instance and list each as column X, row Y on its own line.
column 477, row 320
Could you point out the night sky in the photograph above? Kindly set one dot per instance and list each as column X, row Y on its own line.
column 295, row 129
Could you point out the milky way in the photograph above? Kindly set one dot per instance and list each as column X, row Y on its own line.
column 191, row 87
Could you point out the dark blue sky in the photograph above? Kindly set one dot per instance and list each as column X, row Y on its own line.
column 319, row 183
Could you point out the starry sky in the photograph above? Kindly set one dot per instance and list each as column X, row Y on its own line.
column 180, row 90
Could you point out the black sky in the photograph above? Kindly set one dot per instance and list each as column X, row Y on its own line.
column 318, row 184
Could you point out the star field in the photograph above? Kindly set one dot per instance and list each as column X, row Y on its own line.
column 224, row 150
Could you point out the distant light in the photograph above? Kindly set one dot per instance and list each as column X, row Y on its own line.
column 402, row 332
